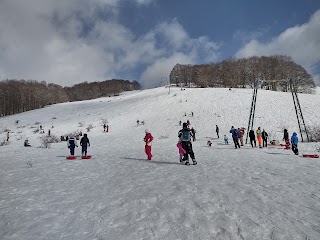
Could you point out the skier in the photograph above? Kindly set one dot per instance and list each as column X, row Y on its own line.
column 72, row 143
column 286, row 137
column 259, row 137
column 226, row 140
column 193, row 131
column 241, row 133
column 235, row 137
column 84, row 142
column 185, row 138
column 148, row 139
column 264, row 138
column 217, row 131
column 252, row 138
column 294, row 143
column 181, row 151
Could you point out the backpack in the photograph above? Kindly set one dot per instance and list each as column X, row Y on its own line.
column 185, row 136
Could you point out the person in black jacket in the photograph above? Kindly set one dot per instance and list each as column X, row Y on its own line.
column 286, row 137
column 185, row 136
column 252, row 138
column 84, row 142
column 264, row 138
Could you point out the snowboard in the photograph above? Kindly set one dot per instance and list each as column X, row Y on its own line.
column 310, row 155
column 71, row 157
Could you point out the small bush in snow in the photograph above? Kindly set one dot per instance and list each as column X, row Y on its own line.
column 314, row 133
column 47, row 140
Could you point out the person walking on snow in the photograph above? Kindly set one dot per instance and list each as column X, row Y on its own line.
column 148, row 139
column 259, row 137
column 252, row 137
column 193, row 131
column 185, row 138
column 294, row 143
column 241, row 133
column 235, row 137
column 226, row 140
column 72, row 143
column 181, row 151
column 84, row 143
column 264, row 138
column 286, row 137
column 217, row 131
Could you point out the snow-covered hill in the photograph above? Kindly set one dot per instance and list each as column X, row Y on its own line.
column 246, row 193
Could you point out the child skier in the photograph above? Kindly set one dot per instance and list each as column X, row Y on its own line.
column 226, row 140
column 84, row 142
column 185, row 138
column 72, row 143
column 148, row 139
column 181, row 151
column 294, row 143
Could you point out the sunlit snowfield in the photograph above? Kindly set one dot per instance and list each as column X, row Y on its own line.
column 232, row 193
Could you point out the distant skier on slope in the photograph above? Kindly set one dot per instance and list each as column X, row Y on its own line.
column 72, row 143
column 148, row 140
column 84, row 143
column 185, row 138
column 217, row 131
column 294, row 143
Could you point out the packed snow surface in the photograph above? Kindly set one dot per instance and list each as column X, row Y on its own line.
column 246, row 193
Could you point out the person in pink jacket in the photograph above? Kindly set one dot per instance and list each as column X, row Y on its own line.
column 182, row 152
column 148, row 139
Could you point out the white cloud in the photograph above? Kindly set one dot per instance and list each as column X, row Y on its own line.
column 302, row 42
column 68, row 42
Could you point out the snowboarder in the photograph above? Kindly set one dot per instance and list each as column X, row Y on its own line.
column 226, row 140
column 264, row 138
column 72, row 143
column 217, row 131
column 252, row 138
column 185, row 138
column 193, row 131
column 235, row 137
column 8, row 136
column 286, row 137
column 181, row 151
column 148, row 140
column 84, row 142
column 241, row 133
column 259, row 137
column 294, row 143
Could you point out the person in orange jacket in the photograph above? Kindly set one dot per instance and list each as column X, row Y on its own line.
column 148, row 139
column 259, row 137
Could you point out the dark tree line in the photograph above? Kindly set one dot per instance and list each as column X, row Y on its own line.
column 18, row 96
column 242, row 73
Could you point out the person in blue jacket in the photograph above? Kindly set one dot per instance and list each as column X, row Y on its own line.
column 235, row 137
column 294, row 143
column 72, row 143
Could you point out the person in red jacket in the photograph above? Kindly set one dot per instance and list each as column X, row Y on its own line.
column 148, row 139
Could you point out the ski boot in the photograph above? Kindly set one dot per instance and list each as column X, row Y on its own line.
column 194, row 162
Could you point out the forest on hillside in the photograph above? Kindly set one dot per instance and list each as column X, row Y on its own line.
column 18, row 96
column 243, row 73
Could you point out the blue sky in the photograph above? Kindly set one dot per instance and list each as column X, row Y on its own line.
column 67, row 42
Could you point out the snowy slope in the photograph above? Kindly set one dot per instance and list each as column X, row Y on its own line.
column 231, row 194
